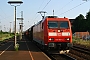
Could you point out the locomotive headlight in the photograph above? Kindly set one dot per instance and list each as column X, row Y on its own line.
column 51, row 39
column 58, row 30
column 67, row 39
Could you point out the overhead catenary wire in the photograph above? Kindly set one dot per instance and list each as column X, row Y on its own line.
column 58, row 10
column 3, row 12
column 42, row 8
column 64, row 6
column 39, row 9
column 41, row 4
column 34, row 18
column 36, row 12
column 6, row 17
column 46, row 4
column 73, row 7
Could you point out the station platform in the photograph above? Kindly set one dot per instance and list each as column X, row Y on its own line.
column 27, row 51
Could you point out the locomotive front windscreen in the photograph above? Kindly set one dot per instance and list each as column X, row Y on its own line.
column 52, row 24
column 64, row 24
column 58, row 24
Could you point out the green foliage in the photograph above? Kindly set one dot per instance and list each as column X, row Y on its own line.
column 5, row 35
column 88, row 20
column 78, row 24
column 88, row 16
column 81, row 42
column 81, row 24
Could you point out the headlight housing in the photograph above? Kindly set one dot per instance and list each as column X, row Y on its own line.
column 67, row 39
column 51, row 39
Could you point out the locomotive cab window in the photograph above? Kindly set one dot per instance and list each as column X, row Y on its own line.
column 52, row 24
column 64, row 24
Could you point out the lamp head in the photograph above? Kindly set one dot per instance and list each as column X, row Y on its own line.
column 15, row 2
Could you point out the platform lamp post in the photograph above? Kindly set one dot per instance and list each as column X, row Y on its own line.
column 15, row 4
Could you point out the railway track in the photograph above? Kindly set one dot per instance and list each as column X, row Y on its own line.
column 80, row 53
column 57, row 56
column 62, row 57
column 82, row 50
column 6, row 41
column 2, row 43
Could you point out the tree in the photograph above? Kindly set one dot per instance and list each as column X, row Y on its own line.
column 88, row 15
column 88, row 20
column 79, row 23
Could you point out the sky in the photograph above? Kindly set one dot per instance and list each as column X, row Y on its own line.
column 62, row 8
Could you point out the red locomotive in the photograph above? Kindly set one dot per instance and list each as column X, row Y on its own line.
column 53, row 33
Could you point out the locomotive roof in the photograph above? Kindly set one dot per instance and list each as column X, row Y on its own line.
column 45, row 18
column 51, row 17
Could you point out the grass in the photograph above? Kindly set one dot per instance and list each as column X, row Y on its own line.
column 81, row 41
column 5, row 36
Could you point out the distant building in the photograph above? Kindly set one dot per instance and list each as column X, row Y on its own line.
column 82, row 35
